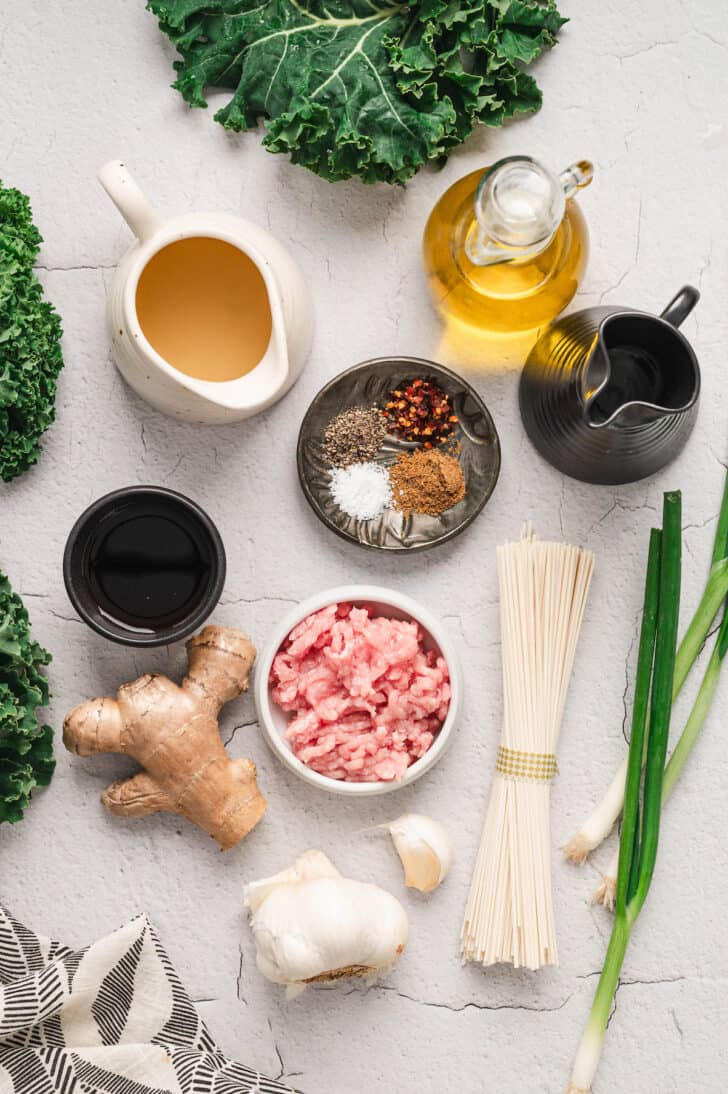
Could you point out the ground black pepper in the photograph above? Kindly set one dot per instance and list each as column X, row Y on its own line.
column 354, row 436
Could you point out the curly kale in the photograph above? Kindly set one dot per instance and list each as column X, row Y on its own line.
column 26, row 748
column 30, row 335
column 373, row 88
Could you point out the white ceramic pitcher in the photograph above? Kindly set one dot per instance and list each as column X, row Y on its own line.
column 158, row 382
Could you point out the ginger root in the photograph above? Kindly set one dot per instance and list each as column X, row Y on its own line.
column 172, row 731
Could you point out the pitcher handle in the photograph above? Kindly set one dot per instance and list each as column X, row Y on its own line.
column 137, row 211
column 680, row 306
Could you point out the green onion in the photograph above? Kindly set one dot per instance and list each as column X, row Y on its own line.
column 704, row 698
column 601, row 821
column 605, row 894
column 642, row 805
column 699, row 713
column 628, row 846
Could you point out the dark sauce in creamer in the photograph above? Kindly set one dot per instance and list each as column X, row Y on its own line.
column 148, row 568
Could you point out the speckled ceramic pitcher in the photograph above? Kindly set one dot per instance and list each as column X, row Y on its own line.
column 155, row 379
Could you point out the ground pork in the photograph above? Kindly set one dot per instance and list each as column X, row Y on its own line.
column 366, row 698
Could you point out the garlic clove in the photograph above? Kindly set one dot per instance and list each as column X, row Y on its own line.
column 422, row 868
column 425, row 849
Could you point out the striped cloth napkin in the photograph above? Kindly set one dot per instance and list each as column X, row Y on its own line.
column 109, row 1019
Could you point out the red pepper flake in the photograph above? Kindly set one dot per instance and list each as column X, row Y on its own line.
column 422, row 412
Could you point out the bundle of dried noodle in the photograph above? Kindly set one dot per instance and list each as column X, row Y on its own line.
column 509, row 914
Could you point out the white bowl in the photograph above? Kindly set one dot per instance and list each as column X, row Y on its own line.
column 274, row 721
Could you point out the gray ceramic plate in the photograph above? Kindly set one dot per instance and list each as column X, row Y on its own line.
column 370, row 383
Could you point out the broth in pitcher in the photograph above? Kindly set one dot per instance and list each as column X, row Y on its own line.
column 203, row 306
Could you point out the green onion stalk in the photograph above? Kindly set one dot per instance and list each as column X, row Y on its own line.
column 603, row 818
column 606, row 892
column 652, row 706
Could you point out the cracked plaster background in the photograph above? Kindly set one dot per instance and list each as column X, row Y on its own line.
column 645, row 98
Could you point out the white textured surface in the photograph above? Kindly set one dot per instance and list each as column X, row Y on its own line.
column 644, row 97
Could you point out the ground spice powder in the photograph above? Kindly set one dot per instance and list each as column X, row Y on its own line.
column 426, row 481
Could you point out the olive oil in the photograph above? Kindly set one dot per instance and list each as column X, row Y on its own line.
column 522, row 275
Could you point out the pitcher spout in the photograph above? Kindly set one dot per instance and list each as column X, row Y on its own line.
column 641, row 368
column 635, row 412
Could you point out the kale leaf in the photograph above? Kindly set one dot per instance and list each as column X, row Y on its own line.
column 26, row 748
column 373, row 88
column 30, row 334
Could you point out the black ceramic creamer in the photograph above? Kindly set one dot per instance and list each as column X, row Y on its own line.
column 610, row 395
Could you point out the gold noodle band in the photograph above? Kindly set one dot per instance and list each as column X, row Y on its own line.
column 526, row 765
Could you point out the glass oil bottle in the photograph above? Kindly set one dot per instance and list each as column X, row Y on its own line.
column 505, row 249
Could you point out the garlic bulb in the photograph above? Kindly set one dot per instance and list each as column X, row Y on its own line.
column 311, row 924
column 425, row 849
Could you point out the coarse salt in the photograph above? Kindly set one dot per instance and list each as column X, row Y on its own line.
column 362, row 490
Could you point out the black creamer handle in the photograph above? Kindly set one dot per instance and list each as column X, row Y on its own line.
column 681, row 305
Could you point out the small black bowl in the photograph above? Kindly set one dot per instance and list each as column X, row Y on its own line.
column 150, row 581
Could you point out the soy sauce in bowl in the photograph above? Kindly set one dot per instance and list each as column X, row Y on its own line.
column 144, row 566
